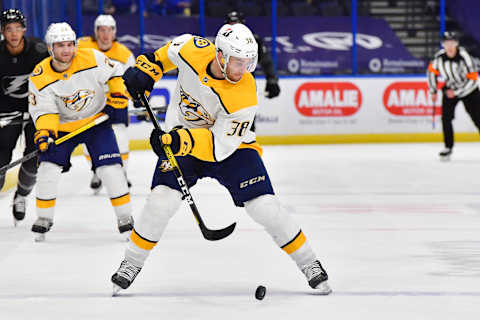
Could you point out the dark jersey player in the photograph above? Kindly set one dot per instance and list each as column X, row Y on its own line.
column 18, row 57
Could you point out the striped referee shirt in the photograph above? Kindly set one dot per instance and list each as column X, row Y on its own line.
column 459, row 72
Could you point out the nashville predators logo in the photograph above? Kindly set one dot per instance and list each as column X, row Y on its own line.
column 37, row 71
column 165, row 166
column 79, row 100
column 200, row 42
column 193, row 111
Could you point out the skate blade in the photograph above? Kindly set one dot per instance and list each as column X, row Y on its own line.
column 40, row 237
column 445, row 159
column 323, row 289
column 116, row 289
column 15, row 222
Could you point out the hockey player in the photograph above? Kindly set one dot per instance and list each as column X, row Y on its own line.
column 105, row 29
column 18, row 57
column 207, row 126
column 68, row 90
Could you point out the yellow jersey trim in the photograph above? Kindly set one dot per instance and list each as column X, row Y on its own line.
column 117, row 52
column 202, row 144
column 49, row 121
column 84, row 59
column 162, row 57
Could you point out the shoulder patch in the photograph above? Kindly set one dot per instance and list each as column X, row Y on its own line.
column 37, row 71
column 200, row 42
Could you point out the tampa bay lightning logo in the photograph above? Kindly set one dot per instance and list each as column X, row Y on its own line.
column 15, row 86
column 193, row 111
column 200, row 42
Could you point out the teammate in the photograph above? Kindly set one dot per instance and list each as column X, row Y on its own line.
column 456, row 67
column 67, row 91
column 208, row 124
column 18, row 57
column 105, row 29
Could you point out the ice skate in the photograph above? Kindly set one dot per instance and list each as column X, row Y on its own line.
column 445, row 154
column 317, row 277
column 18, row 208
column 123, row 278
column 95, row 184
column 125, row 224
column 40, row 227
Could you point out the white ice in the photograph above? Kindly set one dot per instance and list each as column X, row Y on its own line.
column 397, row 230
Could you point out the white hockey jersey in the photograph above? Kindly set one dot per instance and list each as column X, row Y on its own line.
column 65, row 101
column 200, row 101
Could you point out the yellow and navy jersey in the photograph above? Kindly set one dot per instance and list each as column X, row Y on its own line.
column 227, row 110
column 118, row 52
column 64, row 101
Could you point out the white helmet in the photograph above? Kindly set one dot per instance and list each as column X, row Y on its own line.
column 59, row 32
column 105, row 20
column 236, row 41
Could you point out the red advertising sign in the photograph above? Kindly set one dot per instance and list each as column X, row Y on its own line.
column 410, row 99
column 328, row 99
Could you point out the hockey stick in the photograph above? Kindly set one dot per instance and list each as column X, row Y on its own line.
column 72, row 134
column 208, row 234
column 161, row 109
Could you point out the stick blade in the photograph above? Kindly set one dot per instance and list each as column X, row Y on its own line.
column 214, row 235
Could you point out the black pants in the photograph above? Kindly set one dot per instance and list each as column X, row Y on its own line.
column 28, row 170
column 472, row 105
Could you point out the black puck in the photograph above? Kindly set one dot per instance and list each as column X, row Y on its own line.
column 260, row 292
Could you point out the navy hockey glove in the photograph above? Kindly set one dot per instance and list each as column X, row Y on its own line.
column 272, row 89
column 156, row 143
column 137, row 82
column 179, row 140
column 44, row 140
column 116, row 115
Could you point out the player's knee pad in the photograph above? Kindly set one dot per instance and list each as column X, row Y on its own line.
column 48, row 176
column 267, row 211
column 163, row 202
column 160, row 206
column 114, row 179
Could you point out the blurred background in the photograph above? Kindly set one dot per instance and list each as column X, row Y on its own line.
column 349, row 70
column 305, row 36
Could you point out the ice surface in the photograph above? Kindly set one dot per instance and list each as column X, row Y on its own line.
column 397, row 230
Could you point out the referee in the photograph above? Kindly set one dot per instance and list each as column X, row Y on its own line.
column 456, row 67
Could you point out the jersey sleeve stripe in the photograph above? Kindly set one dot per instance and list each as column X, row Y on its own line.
column 220, row 99
column 193, row 69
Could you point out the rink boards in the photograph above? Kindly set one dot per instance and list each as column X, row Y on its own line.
column 342, row 110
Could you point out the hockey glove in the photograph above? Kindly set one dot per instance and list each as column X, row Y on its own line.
column 272, row 89
column 143, row 76
column 179, row 140
column 44, row 140
column 116, row 108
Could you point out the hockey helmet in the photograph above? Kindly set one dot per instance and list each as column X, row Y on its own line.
column 235, row 17
column 105, row 20
column 59, row 32
column 13, row 15
column 236, row 41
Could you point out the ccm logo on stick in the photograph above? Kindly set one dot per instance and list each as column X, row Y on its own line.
column 251, row 181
